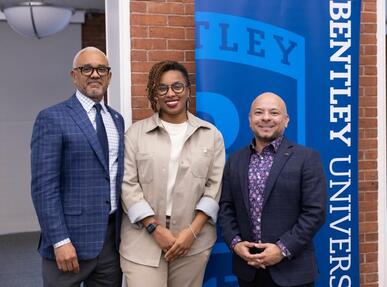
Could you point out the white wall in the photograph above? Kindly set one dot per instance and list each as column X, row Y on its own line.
column 34, row 74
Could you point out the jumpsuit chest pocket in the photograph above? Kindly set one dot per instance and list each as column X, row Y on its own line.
column 201, row 160
column 145, row 165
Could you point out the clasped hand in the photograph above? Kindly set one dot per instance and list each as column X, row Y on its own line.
column 270, row 253
column 172, row 246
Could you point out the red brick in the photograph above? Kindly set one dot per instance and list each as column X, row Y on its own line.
column 167, row 32
column 368, row 60
column 139, row 114
column 93, row 31
column 371, row 133
column 180, row 44
column 371, row 7
column 370, row 71
column 369, row 267
column 371, row 278
column 149, row 44
column 372, row 237
column 139, row 32
column 166, row 55
column 367, row 143
column 139, row 78
column 190, row 33
column 368, row 17
column 368, row 247
column 143, row 19
column 368, row 39
column 368, row 185
column 370, row 196
column 181, row 21
column 165, row 8
column 189, row 56
column 139, row 91
column 137, row 6
column 189, row 9
column 140, row 102
column 370, row 175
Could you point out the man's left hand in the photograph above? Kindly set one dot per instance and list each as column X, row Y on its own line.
column 270, row 255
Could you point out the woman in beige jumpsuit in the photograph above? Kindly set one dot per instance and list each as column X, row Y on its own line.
column 173, row 169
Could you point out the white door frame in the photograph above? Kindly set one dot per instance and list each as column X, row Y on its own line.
column 117, row 13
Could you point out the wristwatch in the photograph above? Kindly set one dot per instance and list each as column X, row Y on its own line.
column 151, row 227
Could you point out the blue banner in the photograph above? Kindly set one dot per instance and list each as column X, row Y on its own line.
column 308, row 54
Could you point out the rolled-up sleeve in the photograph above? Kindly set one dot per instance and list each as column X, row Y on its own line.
column 132, row 197
column 139, row 211
column 209, row 201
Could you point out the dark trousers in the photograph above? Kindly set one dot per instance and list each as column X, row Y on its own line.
column 103, row 271
column 263, row 279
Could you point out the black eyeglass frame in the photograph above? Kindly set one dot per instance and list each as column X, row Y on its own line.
column 157, row 91
column 82, row 68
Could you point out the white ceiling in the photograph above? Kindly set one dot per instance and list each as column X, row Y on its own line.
column 87, row 5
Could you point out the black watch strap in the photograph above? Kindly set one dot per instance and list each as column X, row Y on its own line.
column 151, row 227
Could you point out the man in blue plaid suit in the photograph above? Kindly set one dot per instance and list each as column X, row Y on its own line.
column 77, row 167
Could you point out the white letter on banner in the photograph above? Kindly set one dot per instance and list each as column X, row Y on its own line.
column 338, row 92
column 339, row 263
column 340, row 135
column 338, row 55
column 341, row 26
column 340, row 10
column 345, row 277
column 340, row 242
column 342, row 159
column 342, row 75
column 345, row 186
column 340, row 112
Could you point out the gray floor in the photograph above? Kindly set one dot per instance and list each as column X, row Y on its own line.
column 20, row 263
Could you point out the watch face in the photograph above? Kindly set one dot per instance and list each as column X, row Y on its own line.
column 151, row 227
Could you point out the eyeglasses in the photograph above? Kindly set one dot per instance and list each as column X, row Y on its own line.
column 89, row 70
column 163, row 89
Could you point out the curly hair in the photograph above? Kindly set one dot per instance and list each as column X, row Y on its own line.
column 154, row 78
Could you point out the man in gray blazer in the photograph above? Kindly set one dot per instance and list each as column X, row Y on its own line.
column 272, row 203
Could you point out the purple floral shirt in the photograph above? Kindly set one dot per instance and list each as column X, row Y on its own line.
column 259, row 168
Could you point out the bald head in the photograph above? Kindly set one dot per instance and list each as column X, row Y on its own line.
column 272, row 98
column 87, row 49
column 268, row 119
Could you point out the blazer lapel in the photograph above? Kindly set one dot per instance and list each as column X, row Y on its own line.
column 283, row 154
column 244, row 169
column 81, row 118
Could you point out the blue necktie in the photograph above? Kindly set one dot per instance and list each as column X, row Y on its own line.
column 101, row 132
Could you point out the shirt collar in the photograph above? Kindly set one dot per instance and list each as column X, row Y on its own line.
column 274, row 144
column 87, row 103
column 192, row 121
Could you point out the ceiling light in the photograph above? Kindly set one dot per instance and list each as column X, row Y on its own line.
column 37, row 20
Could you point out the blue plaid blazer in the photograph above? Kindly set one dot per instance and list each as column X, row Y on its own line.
column 70, row 179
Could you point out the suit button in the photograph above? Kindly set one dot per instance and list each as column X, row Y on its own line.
column 107, row 177
column 107, row 201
